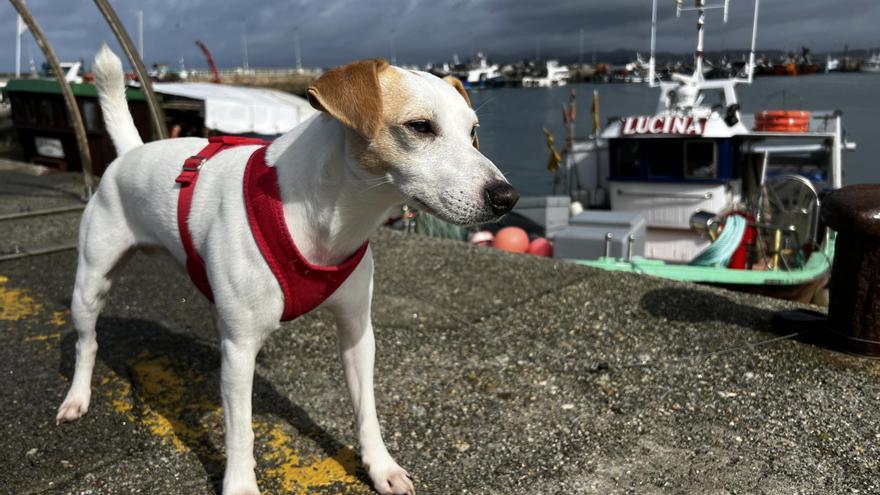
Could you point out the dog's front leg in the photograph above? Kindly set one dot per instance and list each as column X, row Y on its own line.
column 358, row 347
column 238, row 359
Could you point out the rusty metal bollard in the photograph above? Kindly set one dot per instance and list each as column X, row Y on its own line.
column 853, row 321
column 854, row 304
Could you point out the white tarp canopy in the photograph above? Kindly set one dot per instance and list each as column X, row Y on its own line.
column 242, row 110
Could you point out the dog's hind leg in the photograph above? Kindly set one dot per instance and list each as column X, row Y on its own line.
column 105, row 242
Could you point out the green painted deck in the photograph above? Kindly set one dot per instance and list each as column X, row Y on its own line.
column 50, row 86
column 817, row 265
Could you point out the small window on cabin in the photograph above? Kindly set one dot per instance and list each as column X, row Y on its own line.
column 90, row 115
column 46, row 115
column 626, row 158
column 665, row 158
column 700, row 160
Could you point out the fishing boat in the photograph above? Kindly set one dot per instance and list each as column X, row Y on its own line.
column 700, row 191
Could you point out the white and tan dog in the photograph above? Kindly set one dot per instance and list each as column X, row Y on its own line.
column 384, row 137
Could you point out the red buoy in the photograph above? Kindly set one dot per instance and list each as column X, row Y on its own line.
column 511, row 239
column 541, row 247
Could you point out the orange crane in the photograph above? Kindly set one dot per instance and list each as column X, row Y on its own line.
column 215, row 75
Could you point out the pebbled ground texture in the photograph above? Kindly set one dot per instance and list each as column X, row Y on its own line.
column 486, row 382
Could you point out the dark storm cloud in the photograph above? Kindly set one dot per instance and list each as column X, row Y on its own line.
column 336, row 31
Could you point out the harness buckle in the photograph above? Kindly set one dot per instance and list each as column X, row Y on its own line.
column 194, row 163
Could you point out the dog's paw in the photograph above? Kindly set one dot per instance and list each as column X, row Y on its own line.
column 240, row 481
column 391, row 479
column 241, row 489
column 73, row 408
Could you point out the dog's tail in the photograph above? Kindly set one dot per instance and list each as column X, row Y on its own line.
column 111, row 92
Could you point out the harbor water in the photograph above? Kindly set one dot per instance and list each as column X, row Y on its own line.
column 511, row 119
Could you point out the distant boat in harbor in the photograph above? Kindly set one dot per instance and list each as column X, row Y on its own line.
column 832, row 64
column 872, row 64
column 480, row 75
column 553, row 74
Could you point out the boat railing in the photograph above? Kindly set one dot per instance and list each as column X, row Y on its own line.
column 707, row 195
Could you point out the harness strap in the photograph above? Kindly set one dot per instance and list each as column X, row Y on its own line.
column 305, row 285
column 189, row 175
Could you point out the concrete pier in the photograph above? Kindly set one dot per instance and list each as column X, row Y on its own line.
column 496, row 374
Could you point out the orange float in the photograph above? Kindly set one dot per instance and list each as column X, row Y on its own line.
column 782, row 121
column 511, row 239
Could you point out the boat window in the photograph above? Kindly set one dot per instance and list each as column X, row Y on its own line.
column 665, row 158
column 626, row 158
column 89, row 111
column 46, row 116
column 700, row 161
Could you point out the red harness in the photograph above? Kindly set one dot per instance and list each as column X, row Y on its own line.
column 305, row 286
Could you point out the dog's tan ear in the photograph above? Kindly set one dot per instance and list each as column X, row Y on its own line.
column 456, row 83
column 352, row 95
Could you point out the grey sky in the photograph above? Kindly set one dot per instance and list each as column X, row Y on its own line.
column 337, row 31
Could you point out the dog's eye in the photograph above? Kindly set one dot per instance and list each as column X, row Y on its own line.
column 421, row 126
column 474, row 130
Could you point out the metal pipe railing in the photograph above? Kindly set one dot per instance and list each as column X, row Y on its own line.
column 40, row 213
column 73, row 114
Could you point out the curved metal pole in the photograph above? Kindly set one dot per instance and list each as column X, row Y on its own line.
column 73, row 115
column 156, row 112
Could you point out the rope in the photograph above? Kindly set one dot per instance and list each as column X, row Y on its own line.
column 720, row 251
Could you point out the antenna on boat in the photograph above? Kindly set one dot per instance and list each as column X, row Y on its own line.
column 652, row 61
column 700, row 7
column 750, row 70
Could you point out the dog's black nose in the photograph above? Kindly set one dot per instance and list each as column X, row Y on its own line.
column 501, row 197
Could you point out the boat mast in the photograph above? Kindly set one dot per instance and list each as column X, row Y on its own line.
column 751, row 69
column 19, row 29
column 298, row 53
column 701, row 25
column 141, row 33
column 244, row 47
column 652, row 61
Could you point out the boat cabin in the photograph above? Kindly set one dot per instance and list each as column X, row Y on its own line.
column 44, row 133
column 672, row 166
column 191, row 109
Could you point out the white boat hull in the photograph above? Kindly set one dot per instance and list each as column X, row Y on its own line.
column 670, row 205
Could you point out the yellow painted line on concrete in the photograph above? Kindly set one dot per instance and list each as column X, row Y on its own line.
column 50, row 341
column 298, row 475
column 58, row 318
column 166, row 401
column 16, row 304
